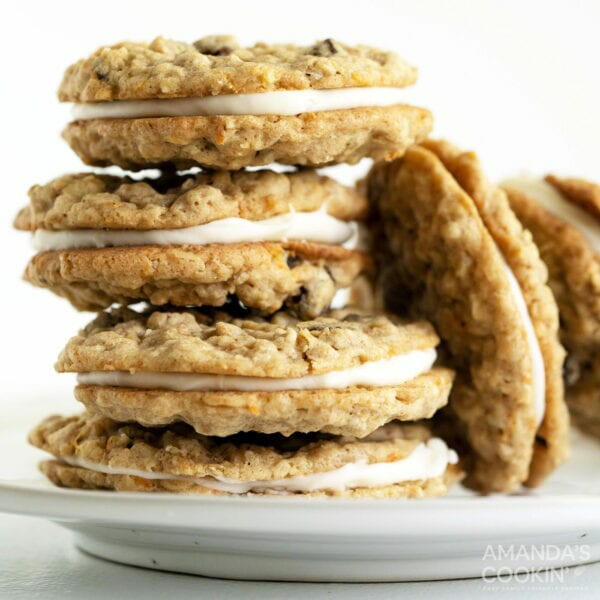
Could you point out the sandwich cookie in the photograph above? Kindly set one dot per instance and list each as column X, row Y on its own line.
column 263, row 238
column 459, row 256
column 98, row 453
column 344, row 373
column 217, row 105
column 563, row 216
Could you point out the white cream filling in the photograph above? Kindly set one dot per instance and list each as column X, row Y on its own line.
column 341, row 298
column 312, row 226
column 538, row 371
column 552, row 200
column 426, row 461
column 390, row 371
column 285, row 102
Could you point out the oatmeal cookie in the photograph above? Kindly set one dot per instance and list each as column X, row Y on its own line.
column 573, row 267
column 522, row 256
column 81, row 442
column 573, row 263
column 264, row 276
column 64, row 475
column 95, row 201
column 446, row 265
column 232, row 142
column 124, row 359
column 353, row 411
column 242, row 134
column 217, row 65
column 195, row 341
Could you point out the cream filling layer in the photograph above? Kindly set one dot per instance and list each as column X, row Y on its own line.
column 341, row 298
column 538, row 371
column 552, row 200
column 285, row 102
column 390, row 371
column 427, row 460
column 312, row 226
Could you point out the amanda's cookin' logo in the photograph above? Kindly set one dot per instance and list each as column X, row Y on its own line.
column 513, row 563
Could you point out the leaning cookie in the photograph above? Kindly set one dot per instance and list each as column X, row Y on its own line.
column 563, row 216
column 268, row 239
column 98, row 453
column 460, row 257
column 215, row 104
column 343, row 373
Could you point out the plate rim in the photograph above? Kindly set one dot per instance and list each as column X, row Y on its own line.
column 465, row 515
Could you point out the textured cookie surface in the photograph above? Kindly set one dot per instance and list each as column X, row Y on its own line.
column 264, row 275
column 181, row 452
column 353, row 411
column 446, row 266
column 277, row 346
column 237, row 141
column 218, row 65
column 93, row 201
column 522, row 256
column 574, row 271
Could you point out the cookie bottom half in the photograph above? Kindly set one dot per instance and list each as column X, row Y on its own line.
column 265, row 276
column 66, row 476
column 236, row 141
column 354, row 411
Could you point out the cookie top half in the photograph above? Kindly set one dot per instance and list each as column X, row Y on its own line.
column 193, row 341
column 98, row 201
column 217, row 65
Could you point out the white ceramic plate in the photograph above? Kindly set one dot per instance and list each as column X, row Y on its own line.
column 315, row 540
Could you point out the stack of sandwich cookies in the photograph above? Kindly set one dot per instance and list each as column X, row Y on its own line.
column 221, row 106
column 457, row 255
column 206, row 392
column 236, row 376
column 563, row 216
column 267, row 239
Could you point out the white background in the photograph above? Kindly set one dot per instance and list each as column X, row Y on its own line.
column 517, row 81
